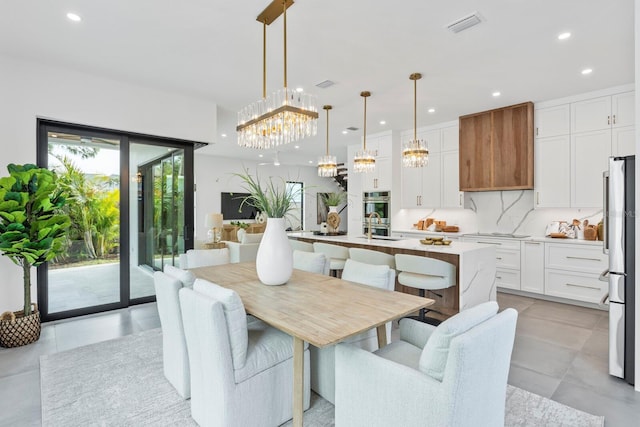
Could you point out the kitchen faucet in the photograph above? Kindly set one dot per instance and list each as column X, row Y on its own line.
column 371, row 216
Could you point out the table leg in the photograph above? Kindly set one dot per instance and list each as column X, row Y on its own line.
column 298, row 381
column 382, row 336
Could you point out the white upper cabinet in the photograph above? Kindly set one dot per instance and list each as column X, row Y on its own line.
column 591, row 114
column 623, row 141
column 552, row 172
column 431, row 179
column 623, row 109
column 450, row 137
column 604, row 112
column 411, row 187
column 553, row 121
column 589, row 158
column 380, row 178
column 451, row 194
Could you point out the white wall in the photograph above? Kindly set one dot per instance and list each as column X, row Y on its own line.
column 214, row 175
column 29, row 90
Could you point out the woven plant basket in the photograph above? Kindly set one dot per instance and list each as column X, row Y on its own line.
column 17, row 330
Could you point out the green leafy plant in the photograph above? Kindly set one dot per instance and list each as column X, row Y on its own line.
column 274, row 200
column 240, row 224
column 334, row 199
column 32, row 225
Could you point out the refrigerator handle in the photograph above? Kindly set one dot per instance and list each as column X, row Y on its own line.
column 605, row 211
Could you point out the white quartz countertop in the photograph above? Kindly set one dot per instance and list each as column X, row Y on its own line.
column 456, row 247
column 487, row 236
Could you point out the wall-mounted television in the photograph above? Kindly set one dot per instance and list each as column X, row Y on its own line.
column 230, row 203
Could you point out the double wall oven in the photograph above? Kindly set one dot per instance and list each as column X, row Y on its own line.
column 380, row 203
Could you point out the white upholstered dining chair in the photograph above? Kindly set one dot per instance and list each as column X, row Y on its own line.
column 195, row 258
column 454, row 374
column 175, row 361
column 313, row 262
column 241, row 373
column 323, row 359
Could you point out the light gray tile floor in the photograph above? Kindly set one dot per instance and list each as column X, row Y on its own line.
column 560, row 352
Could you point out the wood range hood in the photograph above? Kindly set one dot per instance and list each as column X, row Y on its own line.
column 496, row 149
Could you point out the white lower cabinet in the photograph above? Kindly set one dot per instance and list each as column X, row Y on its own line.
column 574, row 285
column 532, row 267
column 507, row 260
column 572, row 271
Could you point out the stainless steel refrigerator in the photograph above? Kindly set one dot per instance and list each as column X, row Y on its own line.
column 619, row 243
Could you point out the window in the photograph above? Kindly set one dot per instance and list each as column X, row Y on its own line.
column 296, row 215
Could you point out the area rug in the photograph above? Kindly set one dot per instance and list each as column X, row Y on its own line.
column 120, row 383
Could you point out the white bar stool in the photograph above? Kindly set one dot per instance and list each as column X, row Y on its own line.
column 425, row 274
column 336, row 254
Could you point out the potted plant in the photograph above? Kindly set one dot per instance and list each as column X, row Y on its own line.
column 32, row 230
column 242, row 229
column 274, row 261
column 332, row 201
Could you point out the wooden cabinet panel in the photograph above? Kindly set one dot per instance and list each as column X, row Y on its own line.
column 496, row 149
column 475, row 151
column 513, row 147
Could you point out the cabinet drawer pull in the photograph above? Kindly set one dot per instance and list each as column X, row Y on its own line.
column 499, row 277
column 582, row 286
column 614, row 119
column 608, row 120
column 490, row 243
column 498, row 257
column 460, row 199
column 531, row 243
column 583, row 258
column 536, row 131
column 537, row 197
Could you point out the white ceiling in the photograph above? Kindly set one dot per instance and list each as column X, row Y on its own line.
column 213, row 50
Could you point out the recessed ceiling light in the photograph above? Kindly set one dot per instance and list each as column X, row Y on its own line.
column 382, row 122
column 431, row 110
column 496, row 94
column 344, row 132
column 299, row 89
column 74, row 17
column 564, row 36
column 296, row 146
column 587, row 71
column 260, row 155
column 224, row 135
column 310, row 161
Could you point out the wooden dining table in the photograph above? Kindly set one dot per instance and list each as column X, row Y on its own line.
column 315, row 308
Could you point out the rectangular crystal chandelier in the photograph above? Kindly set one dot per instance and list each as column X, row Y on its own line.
column 286, row 115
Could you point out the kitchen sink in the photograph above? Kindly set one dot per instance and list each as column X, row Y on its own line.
column 393, row 239
column 508, row 235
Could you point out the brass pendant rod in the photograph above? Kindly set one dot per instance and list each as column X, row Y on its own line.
column 327, row 107
column 415, row 109
column 264, row 60
column 365, row 95
column 415, row 77
column 284, row 5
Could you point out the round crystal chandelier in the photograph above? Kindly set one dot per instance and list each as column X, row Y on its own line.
column 364, row 160
column 327, row 166
column 286, row 115
column 415, row 152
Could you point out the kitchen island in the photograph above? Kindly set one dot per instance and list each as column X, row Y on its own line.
column 475, row 266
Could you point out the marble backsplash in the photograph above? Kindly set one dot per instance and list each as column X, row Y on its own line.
column 500, row 212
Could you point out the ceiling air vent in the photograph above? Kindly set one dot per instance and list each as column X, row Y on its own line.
column 464, row 23
column 325, row 84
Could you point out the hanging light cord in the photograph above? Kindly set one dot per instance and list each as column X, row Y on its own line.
column 364, row 140
column 415, row 109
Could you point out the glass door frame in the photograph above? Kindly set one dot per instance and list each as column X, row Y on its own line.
column 44, row 126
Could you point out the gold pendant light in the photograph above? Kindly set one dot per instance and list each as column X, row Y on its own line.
column 364, row 160
column 415, row 153
column 286, row 115
column 327, row 166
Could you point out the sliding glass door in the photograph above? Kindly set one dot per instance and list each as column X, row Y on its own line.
column 130, row 210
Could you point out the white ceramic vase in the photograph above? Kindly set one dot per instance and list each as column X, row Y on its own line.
column 240, row 234
column 274, row 262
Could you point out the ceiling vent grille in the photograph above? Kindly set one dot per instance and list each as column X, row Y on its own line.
column 325, row 84
column 464, row 23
